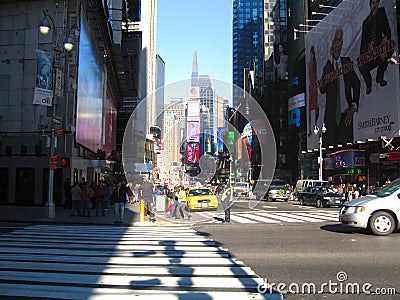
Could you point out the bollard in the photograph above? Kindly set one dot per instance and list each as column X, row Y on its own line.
column 141, row 211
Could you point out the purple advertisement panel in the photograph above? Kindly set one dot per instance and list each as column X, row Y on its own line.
column 351, row 85
column 193, row 132
column 89, row 121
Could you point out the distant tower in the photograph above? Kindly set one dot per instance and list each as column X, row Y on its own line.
column 195, row 70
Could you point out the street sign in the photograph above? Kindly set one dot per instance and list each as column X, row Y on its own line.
column 58, row 85
column 56, row 120
column 43, row 126
column 53, row 161
column 58, row 131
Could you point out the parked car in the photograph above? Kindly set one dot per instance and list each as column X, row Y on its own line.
column 201, row 198
column 302, row 184
column 241, row 189
column 378, row 211
column 321, row 197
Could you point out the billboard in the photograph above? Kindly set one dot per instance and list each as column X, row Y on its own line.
column 351, row 87
column 192, row 153
column 295, row 104
column 207, row 141
column 89, row 121
column 193, row 111
column 193, row 132
column 220, row 139
column 110, row 124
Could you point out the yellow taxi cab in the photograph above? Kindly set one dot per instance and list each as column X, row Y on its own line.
column 201, row 198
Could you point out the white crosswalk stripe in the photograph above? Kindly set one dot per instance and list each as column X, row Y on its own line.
column 275, row 217
column 100, row 262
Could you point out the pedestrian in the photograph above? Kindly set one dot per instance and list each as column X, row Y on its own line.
column 67, row 194
column 109, row 190
column 101, row 192
column 93, row 197
column 87, row 194
column 183, row 209
column 118, row 199
column 227, row 204
column 174, row 200
column 146, row 194
column 76, row 198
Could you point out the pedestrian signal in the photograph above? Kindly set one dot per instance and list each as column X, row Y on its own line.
column 63, row 162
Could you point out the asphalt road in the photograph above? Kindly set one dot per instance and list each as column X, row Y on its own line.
column 326, row 255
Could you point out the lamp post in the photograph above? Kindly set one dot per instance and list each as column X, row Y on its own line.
column 45, row 25
column 320, row 132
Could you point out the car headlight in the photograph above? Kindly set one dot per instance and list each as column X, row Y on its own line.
column 355, row 209
column 328, row 198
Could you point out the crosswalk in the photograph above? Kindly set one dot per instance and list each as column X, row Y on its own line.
column 274, row 217
column 106, row 262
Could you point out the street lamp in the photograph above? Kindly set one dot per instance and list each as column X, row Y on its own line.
column 45, row 26
column 319, row 131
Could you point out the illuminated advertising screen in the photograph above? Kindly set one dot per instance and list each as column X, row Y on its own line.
column 351, row 86
column 207, row 140
column 193, row 111
column 349, row 159
column 220, row 139
column 89, row 121
column 192, row 153
column 110, row 124
column 193, row 132
column 295, row 104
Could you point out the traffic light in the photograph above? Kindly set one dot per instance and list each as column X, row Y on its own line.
column 63, row 162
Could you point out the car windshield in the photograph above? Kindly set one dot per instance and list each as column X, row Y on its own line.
column 323, row 184
column 242, row 185
column 327, row 191
column 200, row 192
column 278, row 187
column 387, row 189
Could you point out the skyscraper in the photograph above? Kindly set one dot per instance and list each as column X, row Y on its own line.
column 248, row 38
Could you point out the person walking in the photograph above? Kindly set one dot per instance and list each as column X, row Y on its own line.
column 118, row 199
column 227, row 204
column 101, row 192
column 146, row 193
column 67, row 194
column 87, row 194
column 183, row 209
column 76, row 198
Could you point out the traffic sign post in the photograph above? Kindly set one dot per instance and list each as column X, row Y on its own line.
column 54, row 162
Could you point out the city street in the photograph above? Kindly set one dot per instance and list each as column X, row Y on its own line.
column 311, row 252
column 108, row 262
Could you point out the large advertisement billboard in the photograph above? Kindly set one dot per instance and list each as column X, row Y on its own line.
column 89, row 121
column 351, row 86
column 192, row 153
column 193, row 132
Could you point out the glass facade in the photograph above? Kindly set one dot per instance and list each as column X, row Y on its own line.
column 248, row 32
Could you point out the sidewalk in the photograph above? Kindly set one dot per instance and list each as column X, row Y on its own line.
column 40, row 214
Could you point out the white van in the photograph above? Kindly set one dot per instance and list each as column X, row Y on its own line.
column 304, row 183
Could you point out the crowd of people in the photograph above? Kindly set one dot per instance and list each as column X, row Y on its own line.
column 82, row 197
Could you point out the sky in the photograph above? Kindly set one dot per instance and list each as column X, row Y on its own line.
column 184, row 26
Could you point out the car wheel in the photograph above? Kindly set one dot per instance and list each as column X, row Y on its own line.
column 301, row 201
column 319, row 203
column 381, row 223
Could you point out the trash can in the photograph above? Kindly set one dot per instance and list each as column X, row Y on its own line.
column 161, row 203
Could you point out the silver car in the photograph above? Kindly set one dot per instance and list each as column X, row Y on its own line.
column 378, row 211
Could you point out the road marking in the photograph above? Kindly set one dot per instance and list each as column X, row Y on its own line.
column 259, row 218
column 267, row 206
column 97, row 262
column 281, row 217
column 239, row 219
